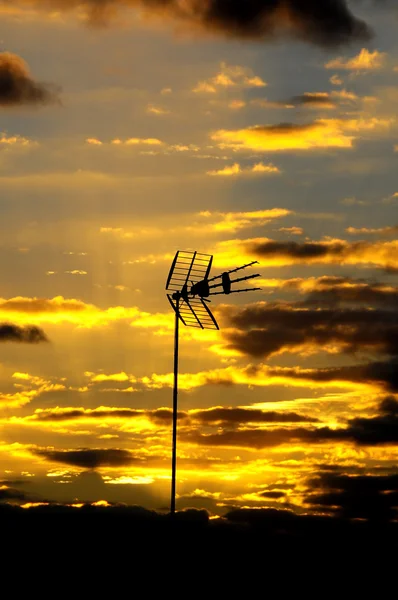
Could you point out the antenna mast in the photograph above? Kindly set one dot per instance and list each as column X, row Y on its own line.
column 188, row 287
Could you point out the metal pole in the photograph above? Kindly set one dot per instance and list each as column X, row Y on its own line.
column 175, row 392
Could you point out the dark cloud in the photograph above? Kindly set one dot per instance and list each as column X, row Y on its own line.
column 381, row 429
column 11, row 482
column 382, row 373
column 350, row 291
column 300, row 250
column 313, row 99
column 258, row 438
column 282, row 129
column 17, row 87
column 90, row 458
column 235, row 416
column 160, row 415
column 264, row 329
column 44, row 305
column 338, row 291
column 379, row 253
column 26, row 335
column 361, row 496
column 272, row 495
column 8, row 494
column 329, row 23
column 80, row 413
column 163, row 416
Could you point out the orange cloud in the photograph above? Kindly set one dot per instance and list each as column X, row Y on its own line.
column 336, row 80
column 157, row 110
column 364, row 61
column 292, row 230
column 15, row 140
column 229, row 76
column 236, row 104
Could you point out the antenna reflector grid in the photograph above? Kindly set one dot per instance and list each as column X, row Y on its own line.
column 188, row 266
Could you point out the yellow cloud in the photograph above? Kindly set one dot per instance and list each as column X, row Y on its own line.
column 236, row 169
column 202, row 223
column 76, row 272
column 259, row 376
column 137, row 141
column 101, row 377
column 233, row 221
column 94, row 141
column 323, row 133
column 262, row 168
column 28, row 387
column 62, row 310
column 364, row 61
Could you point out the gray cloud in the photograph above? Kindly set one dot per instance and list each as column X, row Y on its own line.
column 17, row 87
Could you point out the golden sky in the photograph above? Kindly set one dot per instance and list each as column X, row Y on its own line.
column 134, row 129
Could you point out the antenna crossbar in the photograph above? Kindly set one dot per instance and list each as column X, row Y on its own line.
column 235, row 280
column 236, row 291
column 254, row 262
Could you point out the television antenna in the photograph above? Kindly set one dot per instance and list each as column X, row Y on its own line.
column 189, row 287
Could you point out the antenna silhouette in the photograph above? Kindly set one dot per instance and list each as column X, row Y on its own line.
column 189, row 287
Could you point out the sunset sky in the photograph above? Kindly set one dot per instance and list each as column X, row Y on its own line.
column 258, row 130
